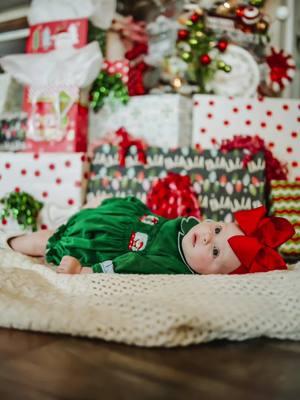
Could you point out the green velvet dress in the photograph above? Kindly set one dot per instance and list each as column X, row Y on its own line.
column 122, row 236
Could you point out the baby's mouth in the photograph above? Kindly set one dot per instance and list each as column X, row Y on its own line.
column 194, row 239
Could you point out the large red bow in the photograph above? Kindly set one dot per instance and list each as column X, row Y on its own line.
column 256, row 250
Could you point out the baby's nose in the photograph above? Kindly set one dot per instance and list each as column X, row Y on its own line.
column 207, row 237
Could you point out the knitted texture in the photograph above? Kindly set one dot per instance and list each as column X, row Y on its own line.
column 149, row 310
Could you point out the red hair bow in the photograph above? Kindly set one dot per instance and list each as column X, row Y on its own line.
column 256, row 250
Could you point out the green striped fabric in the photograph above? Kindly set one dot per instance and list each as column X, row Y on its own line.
column 285, row 202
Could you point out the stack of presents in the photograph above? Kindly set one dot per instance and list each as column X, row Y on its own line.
column 112, row 104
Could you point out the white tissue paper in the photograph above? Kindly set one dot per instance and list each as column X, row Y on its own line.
column 67, row 66
column 100, row 12
column 57, row 113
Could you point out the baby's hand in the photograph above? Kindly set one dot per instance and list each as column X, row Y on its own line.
column 69, row 265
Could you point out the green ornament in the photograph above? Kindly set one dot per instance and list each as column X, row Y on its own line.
column 187, row 57
column 224, row 67
column 199, row 35
column 189, row 23
column 23, row 207
column 193, row 42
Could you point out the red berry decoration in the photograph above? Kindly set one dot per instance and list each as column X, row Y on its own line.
column 182, row 34
column 222, row 45
column 205, row 59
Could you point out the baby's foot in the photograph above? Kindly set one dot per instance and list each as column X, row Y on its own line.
column 69, row 265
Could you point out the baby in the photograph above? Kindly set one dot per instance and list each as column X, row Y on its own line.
column 123, row 236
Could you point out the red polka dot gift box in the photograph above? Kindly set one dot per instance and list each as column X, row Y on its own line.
column 57, row 180
column 160, row 120
column 277, row 121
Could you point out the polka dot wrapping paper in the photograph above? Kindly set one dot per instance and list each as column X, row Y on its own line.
column 277, row 121
column 58, row 180
column 160, row 120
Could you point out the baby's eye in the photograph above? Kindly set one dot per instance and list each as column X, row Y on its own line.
column 218, row 229
column 216, row 252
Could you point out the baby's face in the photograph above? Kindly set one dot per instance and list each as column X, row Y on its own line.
column 206, row 248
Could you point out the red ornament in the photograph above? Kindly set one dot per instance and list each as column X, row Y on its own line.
column 182, row 34
column 222, row 45
column 195, row 17
column 281, row 69
column 205, row 59
column 173, row 196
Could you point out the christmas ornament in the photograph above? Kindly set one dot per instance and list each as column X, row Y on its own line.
column 248, row 15
column 281, row 69
column 106, row 87
column 250, row 20
column 173, row 196
column 199, row 48
column 182, row 34
column 205, row 59
column 23, row 207
column 222, row 45
column 244, row 77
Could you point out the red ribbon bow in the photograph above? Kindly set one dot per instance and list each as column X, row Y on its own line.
column 125, row 144
column 256, row 250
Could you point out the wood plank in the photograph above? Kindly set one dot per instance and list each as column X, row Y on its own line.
column 64, row 367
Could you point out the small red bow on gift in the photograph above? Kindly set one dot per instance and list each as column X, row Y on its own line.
column 124, row 145
column 256, row 250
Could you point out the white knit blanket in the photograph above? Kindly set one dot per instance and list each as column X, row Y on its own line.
column 149, row 310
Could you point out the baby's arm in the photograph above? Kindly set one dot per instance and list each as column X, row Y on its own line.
column 70, row 265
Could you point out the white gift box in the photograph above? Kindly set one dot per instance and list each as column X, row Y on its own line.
column 58, row 180
column 161, row 120
column 277, row 121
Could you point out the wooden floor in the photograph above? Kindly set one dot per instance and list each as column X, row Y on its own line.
column 43, row 366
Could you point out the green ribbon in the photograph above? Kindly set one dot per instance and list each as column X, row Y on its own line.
column 22, row 207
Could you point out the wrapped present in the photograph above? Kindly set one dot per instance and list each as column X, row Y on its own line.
column 277, row 121
column 47, row 36
column 57, row 118
column 221, row 182
column 12, row 131
column 285, row 202
column 161, row 120
column 57, row 180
